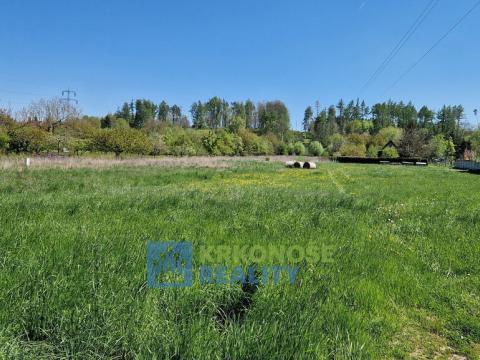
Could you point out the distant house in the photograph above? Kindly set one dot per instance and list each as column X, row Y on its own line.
column 468, row 155
column 389, row 144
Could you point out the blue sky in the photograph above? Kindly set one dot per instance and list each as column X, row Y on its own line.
column 182, row 51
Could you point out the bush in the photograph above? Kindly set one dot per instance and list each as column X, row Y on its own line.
column 78, row 146
column 4, row 140
column 335, row 142
column 438, row 146
column 276, row 143
column 290, row 149
column 350, row 149
column 230, row 144
column 283, row 149
column 210, row 143
column 122, row 140
column 390, row 152
column 223, row 143
column 372, row 151
column 315, row 148
column 29, row 138
column 298, row 148
column 254, row 144
column 387, row 134
column 158, row 145
column 236, row 124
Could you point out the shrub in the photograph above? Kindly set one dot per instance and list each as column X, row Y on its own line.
column 210, row 143
column 122, row 140
column 315, row 148
column 236, row 124
column 4, row 140
column 223, row 143
column 290, row 149
column 29, row 138
column 372, row 151
column 158, row 145
column 283, row 149
column 275, row 142
column 335, row 142
column 358, row 139
column 350, row 149
column 229, row 144
column 78, row 146
column 390, row 152
column 386, row 134
column 298, row 148
column 254, row 144
column 438, row 146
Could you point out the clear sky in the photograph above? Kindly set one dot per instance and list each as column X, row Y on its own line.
column 185, row 50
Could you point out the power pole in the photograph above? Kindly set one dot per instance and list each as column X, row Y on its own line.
column 317, row 107
column 68, row 99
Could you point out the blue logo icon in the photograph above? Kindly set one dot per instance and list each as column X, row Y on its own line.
column 169, row 264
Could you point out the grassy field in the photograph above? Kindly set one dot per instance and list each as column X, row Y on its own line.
column 404, row 283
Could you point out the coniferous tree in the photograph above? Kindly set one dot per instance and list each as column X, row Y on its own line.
column 176, row 114
column 198, row 113
column 163, row 111
column 307, row 118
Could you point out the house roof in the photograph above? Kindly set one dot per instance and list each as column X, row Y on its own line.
column 390, row 143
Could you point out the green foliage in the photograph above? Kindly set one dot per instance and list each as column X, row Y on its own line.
column 475, row 143
column 111, row 121
column 236, row 124
column 414, row 143
column 390, row 152
column 223, row 143
column 449, row 118
column 315, row 148
column 122, row 140
column 179, row 142
column 158, row 145
column 229, row 144
column 298, row 148
column 387, row 134
column 4, row 140
column 290, row 149
column 254, row 144
column 355, row 127
column 145, row 110
column 450, row 149
column 307, row 118
column 163, row 111
column 29, row 138
column 349, row 149
column 273, row 117
column 438, row 146
column 335, row 142
column 276, row 143
column 78, row 146
column 372, row 151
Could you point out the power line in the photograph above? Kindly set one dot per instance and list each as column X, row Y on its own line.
column 413, row 28
column 453, row 27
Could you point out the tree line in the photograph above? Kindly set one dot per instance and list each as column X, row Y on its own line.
column 219, row 127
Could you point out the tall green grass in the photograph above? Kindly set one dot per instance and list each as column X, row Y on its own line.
column 404, row 282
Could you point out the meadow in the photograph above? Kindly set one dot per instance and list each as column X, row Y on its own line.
column 404, row 282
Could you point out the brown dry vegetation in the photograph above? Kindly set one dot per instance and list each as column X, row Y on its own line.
column 101, row 162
